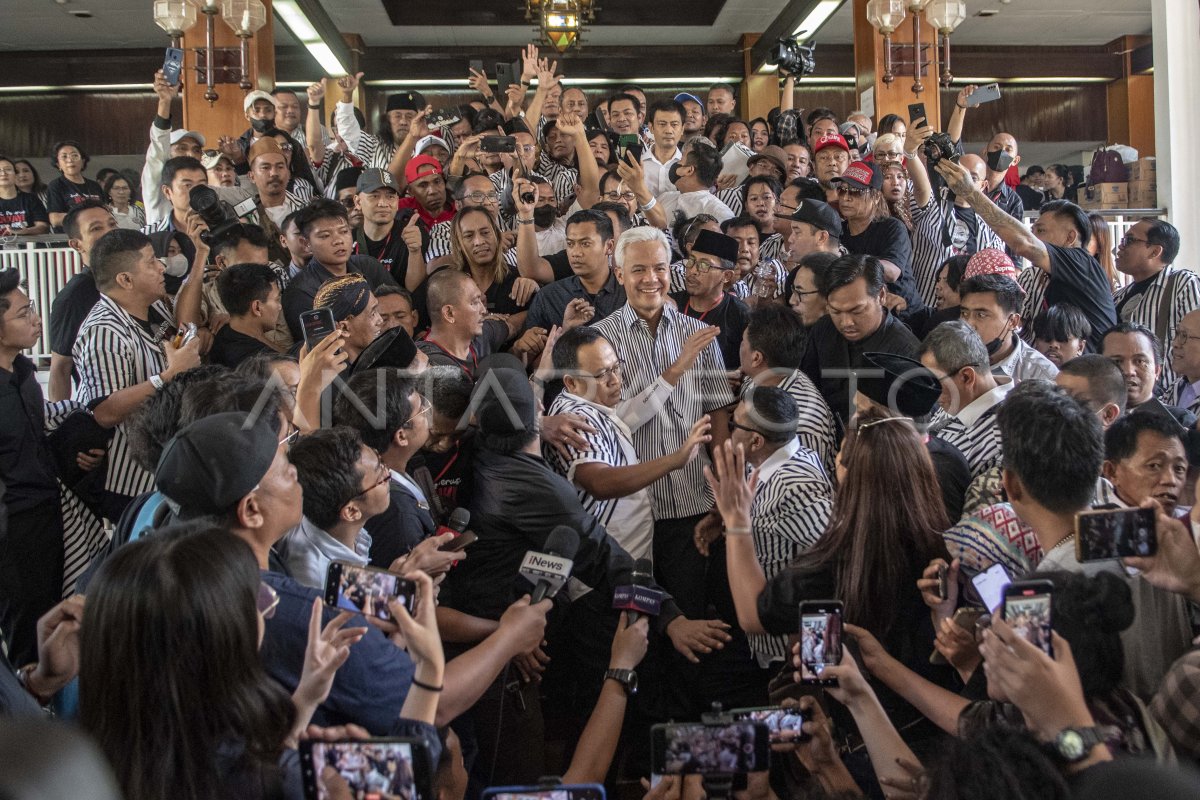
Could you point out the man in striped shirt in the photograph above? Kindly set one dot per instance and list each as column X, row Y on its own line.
column 956, row 356
column 659, row 344
column 124, row 353
column 1160, row 294
column 786, row 504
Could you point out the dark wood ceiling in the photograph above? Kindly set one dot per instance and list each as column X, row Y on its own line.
column 664, row 13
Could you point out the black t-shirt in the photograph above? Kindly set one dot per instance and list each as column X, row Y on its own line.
column 497, row 296
column 22, row 211
column 62, row 195
column 964, row 229
column 230, row 347
column 1076, row 277
column 887, row 238
column 495, row 334
column 69, row 309
column 391, row 251
column 560, row 265
column 731, row 316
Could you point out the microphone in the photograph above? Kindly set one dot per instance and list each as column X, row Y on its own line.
column 548, row 571
column 640, row 598
column 459, row 519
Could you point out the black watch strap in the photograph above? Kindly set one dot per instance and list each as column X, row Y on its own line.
column 626, row 677
column 1073, row 745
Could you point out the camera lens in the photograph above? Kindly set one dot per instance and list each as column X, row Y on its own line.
column 528, row 197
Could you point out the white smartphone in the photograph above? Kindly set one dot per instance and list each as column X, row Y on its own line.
column 991, row 584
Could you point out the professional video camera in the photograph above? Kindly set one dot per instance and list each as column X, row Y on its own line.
column 937, row 147
column 794, row 58
column 218, row 214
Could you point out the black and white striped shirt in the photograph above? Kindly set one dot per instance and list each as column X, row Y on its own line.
column 1035, row 282
column 792, row 506
column 973, row 430
column 929, row 250
column 562, row 177
column 1146, row 308
column 114, row 352
column 815, row 428
column 732, row 197
column 703, row 388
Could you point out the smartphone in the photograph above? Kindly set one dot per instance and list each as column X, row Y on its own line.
column 498, row 144
column 990, row 584
column 943, row 581
column 464, row 539
column 504, row 78
column 1115, row 533
column 965, row 618
column 366, row 590
column 820, row 640
column 984, row 94
column 695, row 748
column 783, row 723
column 443, row 118
column 317, row 323
column 916, row 111
column 385, row 767
column 629, row 143
column 172, row 65
column 476, row 64
column 1029, row 610
column 579, row 791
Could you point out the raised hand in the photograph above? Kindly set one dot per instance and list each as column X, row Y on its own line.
column 316, row 92
column 348, row 84
column 529, row 62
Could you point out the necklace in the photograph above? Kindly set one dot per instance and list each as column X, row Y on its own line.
column 1064, row 540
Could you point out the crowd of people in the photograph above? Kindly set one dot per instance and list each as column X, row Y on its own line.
column 786, row 359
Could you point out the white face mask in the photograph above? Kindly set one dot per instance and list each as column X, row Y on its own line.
column 176, row 266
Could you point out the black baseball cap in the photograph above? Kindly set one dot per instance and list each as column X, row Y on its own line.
column 820, row 215
column 213, row 463
column 374, row 179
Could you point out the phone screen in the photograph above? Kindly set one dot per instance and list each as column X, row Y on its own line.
column 372, row 768
column 172, row 65
column 784, row 724
column 1119, row 533
column 696, row 748
column 366, row 591
column 580, row 792
column 1027, row 609
column 820, row 641
column 316, row 324
column 990, row 584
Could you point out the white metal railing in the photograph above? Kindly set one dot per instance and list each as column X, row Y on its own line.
column 45, row 271
column 1120, row 220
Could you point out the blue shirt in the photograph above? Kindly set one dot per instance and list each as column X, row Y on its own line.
column 549, row 304
column 368, row 690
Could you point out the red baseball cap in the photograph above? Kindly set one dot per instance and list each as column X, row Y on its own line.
column 831, row 140
column 420, row 166
column 860, row 175
column 991, row 262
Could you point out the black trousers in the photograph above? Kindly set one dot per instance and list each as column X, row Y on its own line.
column 505, row 729
column 31, row 576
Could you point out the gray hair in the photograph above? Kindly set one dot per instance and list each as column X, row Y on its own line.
column 642, row 233
column 955, row 345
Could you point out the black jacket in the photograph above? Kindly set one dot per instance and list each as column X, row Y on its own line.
column 398, row 530
column 298, row 297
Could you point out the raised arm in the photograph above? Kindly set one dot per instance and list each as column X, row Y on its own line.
column 187, row 301
column 347, row 123
column 312, row 121
column 530, row 263
column 954, row 127
column 589, row 171
column 922, row 191
column 1011, row 231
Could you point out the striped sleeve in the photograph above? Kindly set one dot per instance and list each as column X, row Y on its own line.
column 104, row 361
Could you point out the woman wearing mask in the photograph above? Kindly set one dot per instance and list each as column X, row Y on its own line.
column 70, row 188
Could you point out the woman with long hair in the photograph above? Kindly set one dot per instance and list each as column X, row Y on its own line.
column 1101, row 246
column 871, row 555
column 476, row 248
column 28, row 179
column 123, row 204
column 171, row 683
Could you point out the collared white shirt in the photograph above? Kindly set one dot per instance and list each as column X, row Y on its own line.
column 411, row 487
column 969, row 414
column 308, row 550
column 776, row 460
column 657, row 172
column 1024, row 363
column 973, row 429
column 701, row 201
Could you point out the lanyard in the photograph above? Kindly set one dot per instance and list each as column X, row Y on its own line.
column 470, row 349
column 687, row 308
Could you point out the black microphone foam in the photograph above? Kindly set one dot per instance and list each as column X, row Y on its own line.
column 459, row 519
column 563, row 541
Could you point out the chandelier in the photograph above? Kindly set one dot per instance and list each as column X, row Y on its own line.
column 244, row 17
column 944, row 15
column 560, row 22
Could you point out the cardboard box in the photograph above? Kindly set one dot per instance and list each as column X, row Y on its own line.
column 1105, row 195
column 1143, row 197
column 1144, row 169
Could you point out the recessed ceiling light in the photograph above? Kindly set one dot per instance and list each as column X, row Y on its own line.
column 987, row 12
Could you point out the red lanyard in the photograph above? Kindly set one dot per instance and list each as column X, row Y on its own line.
column 446, row 468
column 470, row 349
column 687, row 307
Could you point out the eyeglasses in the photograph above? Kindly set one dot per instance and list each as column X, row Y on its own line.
column 267, row 600
column 1128, row 240
column 614, row 197
column 604, row 374
column 482, row 197
column 385, row 475
column 738, row 426
column 69, row 157
column 797, row 291
column 949, row 376
column 425, row 408
column 291, row 438
column 700, row 265
column 1183, row 337
column 348, row 202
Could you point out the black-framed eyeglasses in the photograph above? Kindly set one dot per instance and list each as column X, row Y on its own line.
column 949, row 376
column 734, row 425
column 385, row 475
column 700, row 265
column 482, row 197
column 604, row 374
column 1127, row 240
column 800, row 293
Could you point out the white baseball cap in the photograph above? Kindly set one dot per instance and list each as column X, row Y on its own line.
column 183, row 133
column 257, row 94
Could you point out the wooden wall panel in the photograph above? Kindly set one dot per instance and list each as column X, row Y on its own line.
column 110, row 123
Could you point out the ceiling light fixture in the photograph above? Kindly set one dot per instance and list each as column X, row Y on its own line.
column 560, row 22
column 305, row 32
column 944, row 15
column 812, row 23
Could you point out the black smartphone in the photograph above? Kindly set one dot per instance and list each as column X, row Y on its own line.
column 317, row 323
column 476, row 65
column 820, row 640
column 783, row 723
column 916, row 111
column 172, row 65
column 504, row 78
column 943, row 581
column 1115, row 533
column 696, row 748
column 366, row 590
column 464, row 539
column 443, row 118
column 385, row 767
column 1028, row 609
column 579, row 791
column 626, row 143
column 498, row 144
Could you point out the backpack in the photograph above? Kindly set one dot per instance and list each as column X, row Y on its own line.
column 1107, row 167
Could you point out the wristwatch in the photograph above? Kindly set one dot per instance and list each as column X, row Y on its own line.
column 626, row 677
column 1072, row 745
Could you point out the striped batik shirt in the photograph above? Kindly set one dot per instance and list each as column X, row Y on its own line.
column 367, row 147
column 1035, row 282
column 771, row 248
column 562, row 177
column 114, row 352
column 732, row 197
column 792, row 505
column 929, row 249
column 502, row 180
column 1146, row 308
column 1178, row 395
column 815, row 427
column 703, row 388
column 973, row 430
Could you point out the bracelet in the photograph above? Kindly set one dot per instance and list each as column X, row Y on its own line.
column 524, row 221
column 317, row 107
column 956, row 105
column 653, row 202
column 157, row 382
column 427, row 687
column 737, row 531
column 23, row 679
